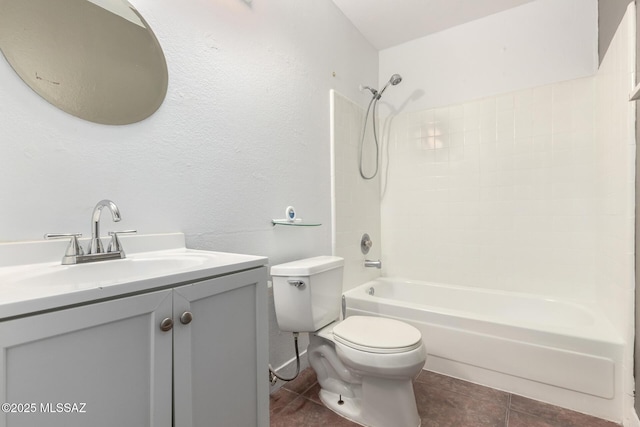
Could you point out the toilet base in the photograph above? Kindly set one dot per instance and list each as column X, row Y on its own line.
column 375, row 391
column 350, row 407
column 380, row 408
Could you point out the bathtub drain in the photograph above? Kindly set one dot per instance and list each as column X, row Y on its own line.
column 371, row 291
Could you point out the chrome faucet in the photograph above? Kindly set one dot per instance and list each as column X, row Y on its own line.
column 371, row 263
column 95, row 251
column 95, row 247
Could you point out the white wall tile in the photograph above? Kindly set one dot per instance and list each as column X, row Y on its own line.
column 523, row 192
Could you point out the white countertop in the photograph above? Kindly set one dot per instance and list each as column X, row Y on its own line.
column 32, row 278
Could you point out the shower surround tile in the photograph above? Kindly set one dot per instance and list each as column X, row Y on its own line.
column 356, row 200
column 502, row 180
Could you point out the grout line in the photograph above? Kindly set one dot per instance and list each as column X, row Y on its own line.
column 309, row 388
column 284, row 407
column 309, row 398
column 298, row 397
column 295, row 399
column 508, row 409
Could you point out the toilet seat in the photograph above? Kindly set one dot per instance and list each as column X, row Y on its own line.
column 377, row 335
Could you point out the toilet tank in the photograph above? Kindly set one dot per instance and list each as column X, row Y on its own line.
column 307, row 293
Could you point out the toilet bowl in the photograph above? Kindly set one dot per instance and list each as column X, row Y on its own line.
column 365, row 365
column 368, row 384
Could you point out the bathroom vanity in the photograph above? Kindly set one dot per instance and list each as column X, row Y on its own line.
column 166, row 337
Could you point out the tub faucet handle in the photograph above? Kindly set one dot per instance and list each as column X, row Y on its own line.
column 365, row 243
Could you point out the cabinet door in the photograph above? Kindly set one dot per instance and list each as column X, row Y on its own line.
column 220, row 357
column 105, row 364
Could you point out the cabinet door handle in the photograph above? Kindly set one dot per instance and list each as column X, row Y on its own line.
column 166, row 324
column 186, row 317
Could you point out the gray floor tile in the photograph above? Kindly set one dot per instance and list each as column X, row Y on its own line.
column 442, row 402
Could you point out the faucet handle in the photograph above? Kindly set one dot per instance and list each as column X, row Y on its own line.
column 73, row 250
column 114, row 244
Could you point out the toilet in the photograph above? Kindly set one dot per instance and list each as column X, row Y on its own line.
column 365, row 365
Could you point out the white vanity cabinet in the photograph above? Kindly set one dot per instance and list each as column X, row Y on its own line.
column 221, row 375
column 110, row 364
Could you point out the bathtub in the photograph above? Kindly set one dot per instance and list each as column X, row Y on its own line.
column 561, row 352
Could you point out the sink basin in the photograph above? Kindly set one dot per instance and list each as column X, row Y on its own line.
column 32, row 277
column 103, row 273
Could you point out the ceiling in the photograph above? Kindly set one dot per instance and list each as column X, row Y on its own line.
column 387, row 23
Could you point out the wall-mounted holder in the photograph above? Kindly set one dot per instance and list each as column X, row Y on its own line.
column 292, row 219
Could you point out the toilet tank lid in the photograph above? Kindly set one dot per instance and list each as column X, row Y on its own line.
column 307, row 266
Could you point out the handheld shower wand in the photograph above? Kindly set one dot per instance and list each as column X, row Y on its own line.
column 394, row 80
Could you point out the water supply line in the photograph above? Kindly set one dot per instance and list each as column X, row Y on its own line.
column 273, row 376
column 373, row 101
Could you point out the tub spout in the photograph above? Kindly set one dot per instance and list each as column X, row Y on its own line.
column 371, row 263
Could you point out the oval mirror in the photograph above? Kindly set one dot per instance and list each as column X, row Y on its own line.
column 95, row 59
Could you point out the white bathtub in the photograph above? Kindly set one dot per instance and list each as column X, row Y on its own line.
column 561, row 352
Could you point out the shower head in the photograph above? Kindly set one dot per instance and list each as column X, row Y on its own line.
column 394, row 80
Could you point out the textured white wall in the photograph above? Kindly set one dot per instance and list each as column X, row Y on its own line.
column 243, row 132
column 538, row 43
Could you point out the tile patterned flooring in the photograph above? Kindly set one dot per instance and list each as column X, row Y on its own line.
column 442, row 402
